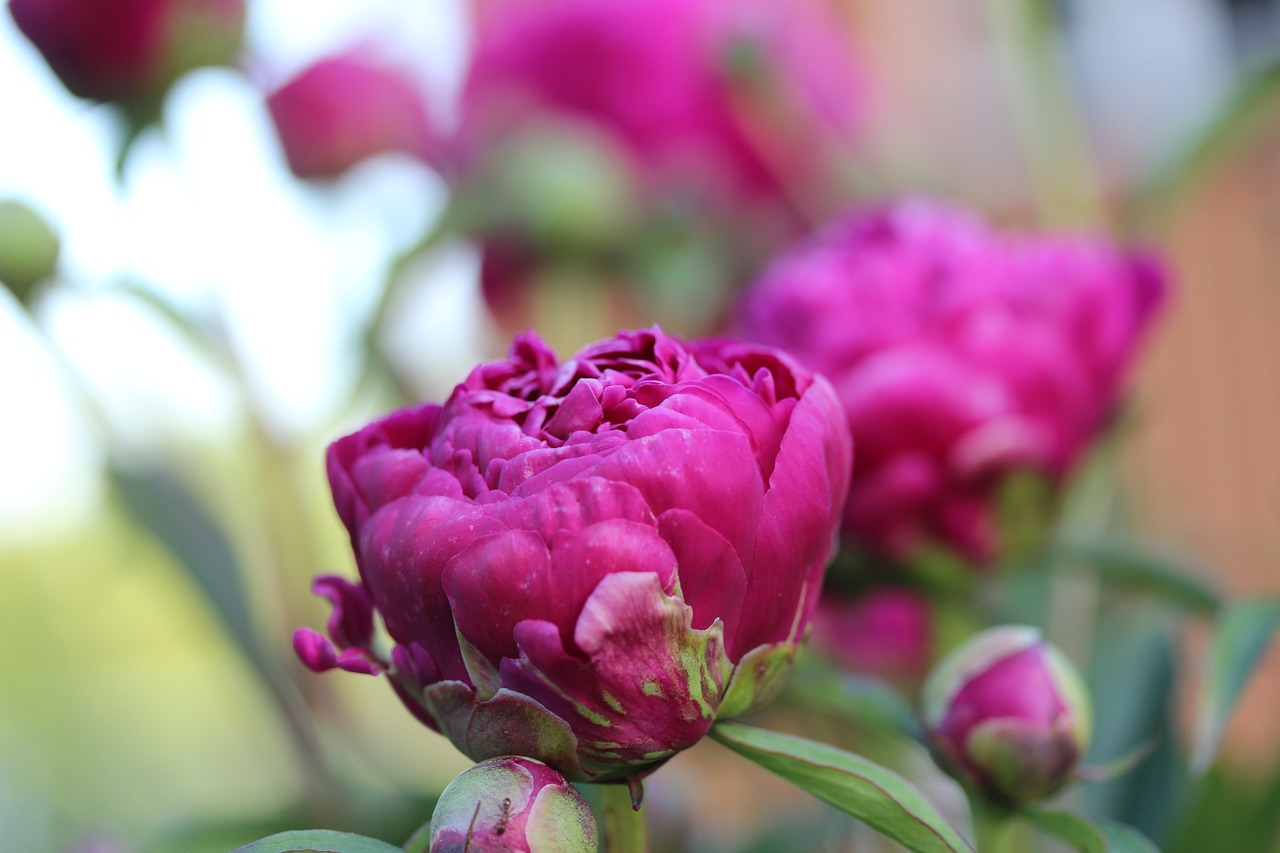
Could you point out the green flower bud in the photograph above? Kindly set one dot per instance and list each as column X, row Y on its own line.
column 28, row 248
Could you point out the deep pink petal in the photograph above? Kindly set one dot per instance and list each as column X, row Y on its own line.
column 808, row 487
column 712, row 579
column 646, row 684
column 714, row 475
column 351, row 622
column 314, row 650
column 405, row 547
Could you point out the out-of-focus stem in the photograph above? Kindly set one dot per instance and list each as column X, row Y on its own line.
column 1055, row 151
column 625, row 829
column 996, row 829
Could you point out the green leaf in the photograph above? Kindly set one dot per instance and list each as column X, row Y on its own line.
column 1255, row 102
column 873, row 794
column 420, row 841
column 164, row 506
column 1087, row 836
column 1241, row 636
column 868, row 702
column 318, row 841
column 1129, row 564
column 1229, row 810
column 1122, row 838
column 161, row 504
column 1070, row 828
column 1121, row 765
column 1134, row 684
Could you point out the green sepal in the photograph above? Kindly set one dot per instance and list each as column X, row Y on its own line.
column 757, row 679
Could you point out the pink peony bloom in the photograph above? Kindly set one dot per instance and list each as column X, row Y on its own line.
column 961, row 355
column 705, row 93
column 588, row 562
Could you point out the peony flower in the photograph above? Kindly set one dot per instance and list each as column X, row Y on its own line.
column 587, row 563
column 674, row 150
column 961, row 356
column 885, row 632
column 512, row 804
column 344, row 109
column 1008, row 715
column 129, row 51
column 708, row 93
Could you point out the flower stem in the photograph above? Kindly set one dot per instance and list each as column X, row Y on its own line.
column 995, row 826
column 1060, row 170
column 625, row 830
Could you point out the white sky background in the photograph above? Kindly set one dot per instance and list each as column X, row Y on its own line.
column 209, row 218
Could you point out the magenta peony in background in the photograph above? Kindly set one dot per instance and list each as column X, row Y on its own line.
column 129, row 51
column 589, row 562
column 710, row 92
column 960, row 354
column 346, row 108
column 658, row 126
column 884, row 632
column 1008, row 714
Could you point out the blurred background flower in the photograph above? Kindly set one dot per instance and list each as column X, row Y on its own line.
column 208, row 322
column 962, row 357
column 671, row 160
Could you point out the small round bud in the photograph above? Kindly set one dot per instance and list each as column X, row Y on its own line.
column 28, row 248
column 512, row 804
column 347, row 108
column 1007, row 714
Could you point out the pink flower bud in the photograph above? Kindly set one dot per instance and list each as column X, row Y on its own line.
column 345, row 109
column 512, row 804
column 1007, row 714
column 129, row 51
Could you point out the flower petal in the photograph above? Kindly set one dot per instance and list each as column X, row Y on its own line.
column 647, row 683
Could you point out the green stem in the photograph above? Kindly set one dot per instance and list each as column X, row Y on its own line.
column 995, row 826
column 1060, row 170
column 625, row 830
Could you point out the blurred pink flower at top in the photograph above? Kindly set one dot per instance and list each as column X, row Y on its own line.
column 961, row 356
column 885, row 632
column 345, row 109
column 129, row 51
column 711, row 90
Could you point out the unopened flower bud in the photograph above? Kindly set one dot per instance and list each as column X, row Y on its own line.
column 345, row 109
column 512, row 804
column 1007, row 714
column 130, row 51
column 28, row 248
